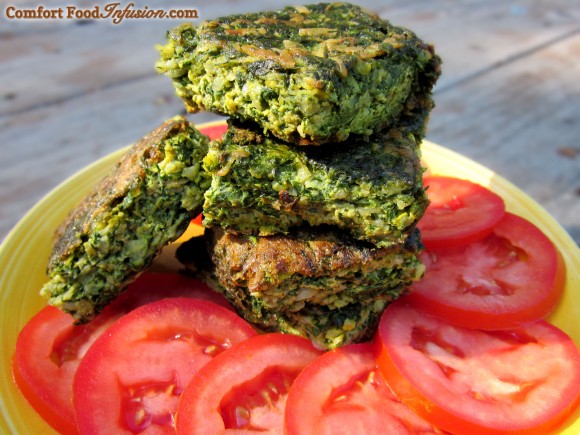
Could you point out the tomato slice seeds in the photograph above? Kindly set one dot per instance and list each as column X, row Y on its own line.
column 479, row 382
column 132, row 376
column 512, row 276
column 246, row 387
column 464, row 351
column 50, row 347
column 343, row 391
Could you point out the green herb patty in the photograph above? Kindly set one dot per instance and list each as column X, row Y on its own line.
column 146, row 202
column 260, row 185
column 278, row 281
column 329, row 329
column 309, row 74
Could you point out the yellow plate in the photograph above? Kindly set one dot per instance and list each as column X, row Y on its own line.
column 24, row 254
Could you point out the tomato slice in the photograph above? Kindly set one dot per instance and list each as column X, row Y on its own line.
column 471, row 381
column 197, row 220
column 246, row 387
column 460, row 212
column 49, row 347
column 152, row 286
column 42, row 373
column 131, row 378
column 342, row 391
column 514, row 275
column 215, row 130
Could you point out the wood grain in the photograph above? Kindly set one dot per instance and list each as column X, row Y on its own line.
column 522, row 120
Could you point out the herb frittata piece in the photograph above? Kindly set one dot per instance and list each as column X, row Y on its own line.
column 278, row 282
column 146, row 201
column 331, row 329
column 263, row 186
column 310, row 265
column 308, row 74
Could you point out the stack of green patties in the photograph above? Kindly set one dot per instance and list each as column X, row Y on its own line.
column 316, row 188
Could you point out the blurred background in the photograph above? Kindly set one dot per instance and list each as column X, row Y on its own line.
column 74, row 90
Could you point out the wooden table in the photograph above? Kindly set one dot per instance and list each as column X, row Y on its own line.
column 72, row 91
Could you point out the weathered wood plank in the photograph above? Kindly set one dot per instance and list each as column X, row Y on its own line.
column 473, row 36
column 522, row 120
column 43, row 147
column 60, row 60
column 67, row 61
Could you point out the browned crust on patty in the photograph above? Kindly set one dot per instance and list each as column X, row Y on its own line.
column 264, row 262
column 112, row 188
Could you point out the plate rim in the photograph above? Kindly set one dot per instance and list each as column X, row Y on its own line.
column 539, row 215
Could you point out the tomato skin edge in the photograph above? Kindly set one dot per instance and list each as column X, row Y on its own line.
column 100, row 367
column 410, row 396
column 294, row 421
column 201, row 385
column 497, row 320
column 489, row 321
column 494, row 210
column 56, row 420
